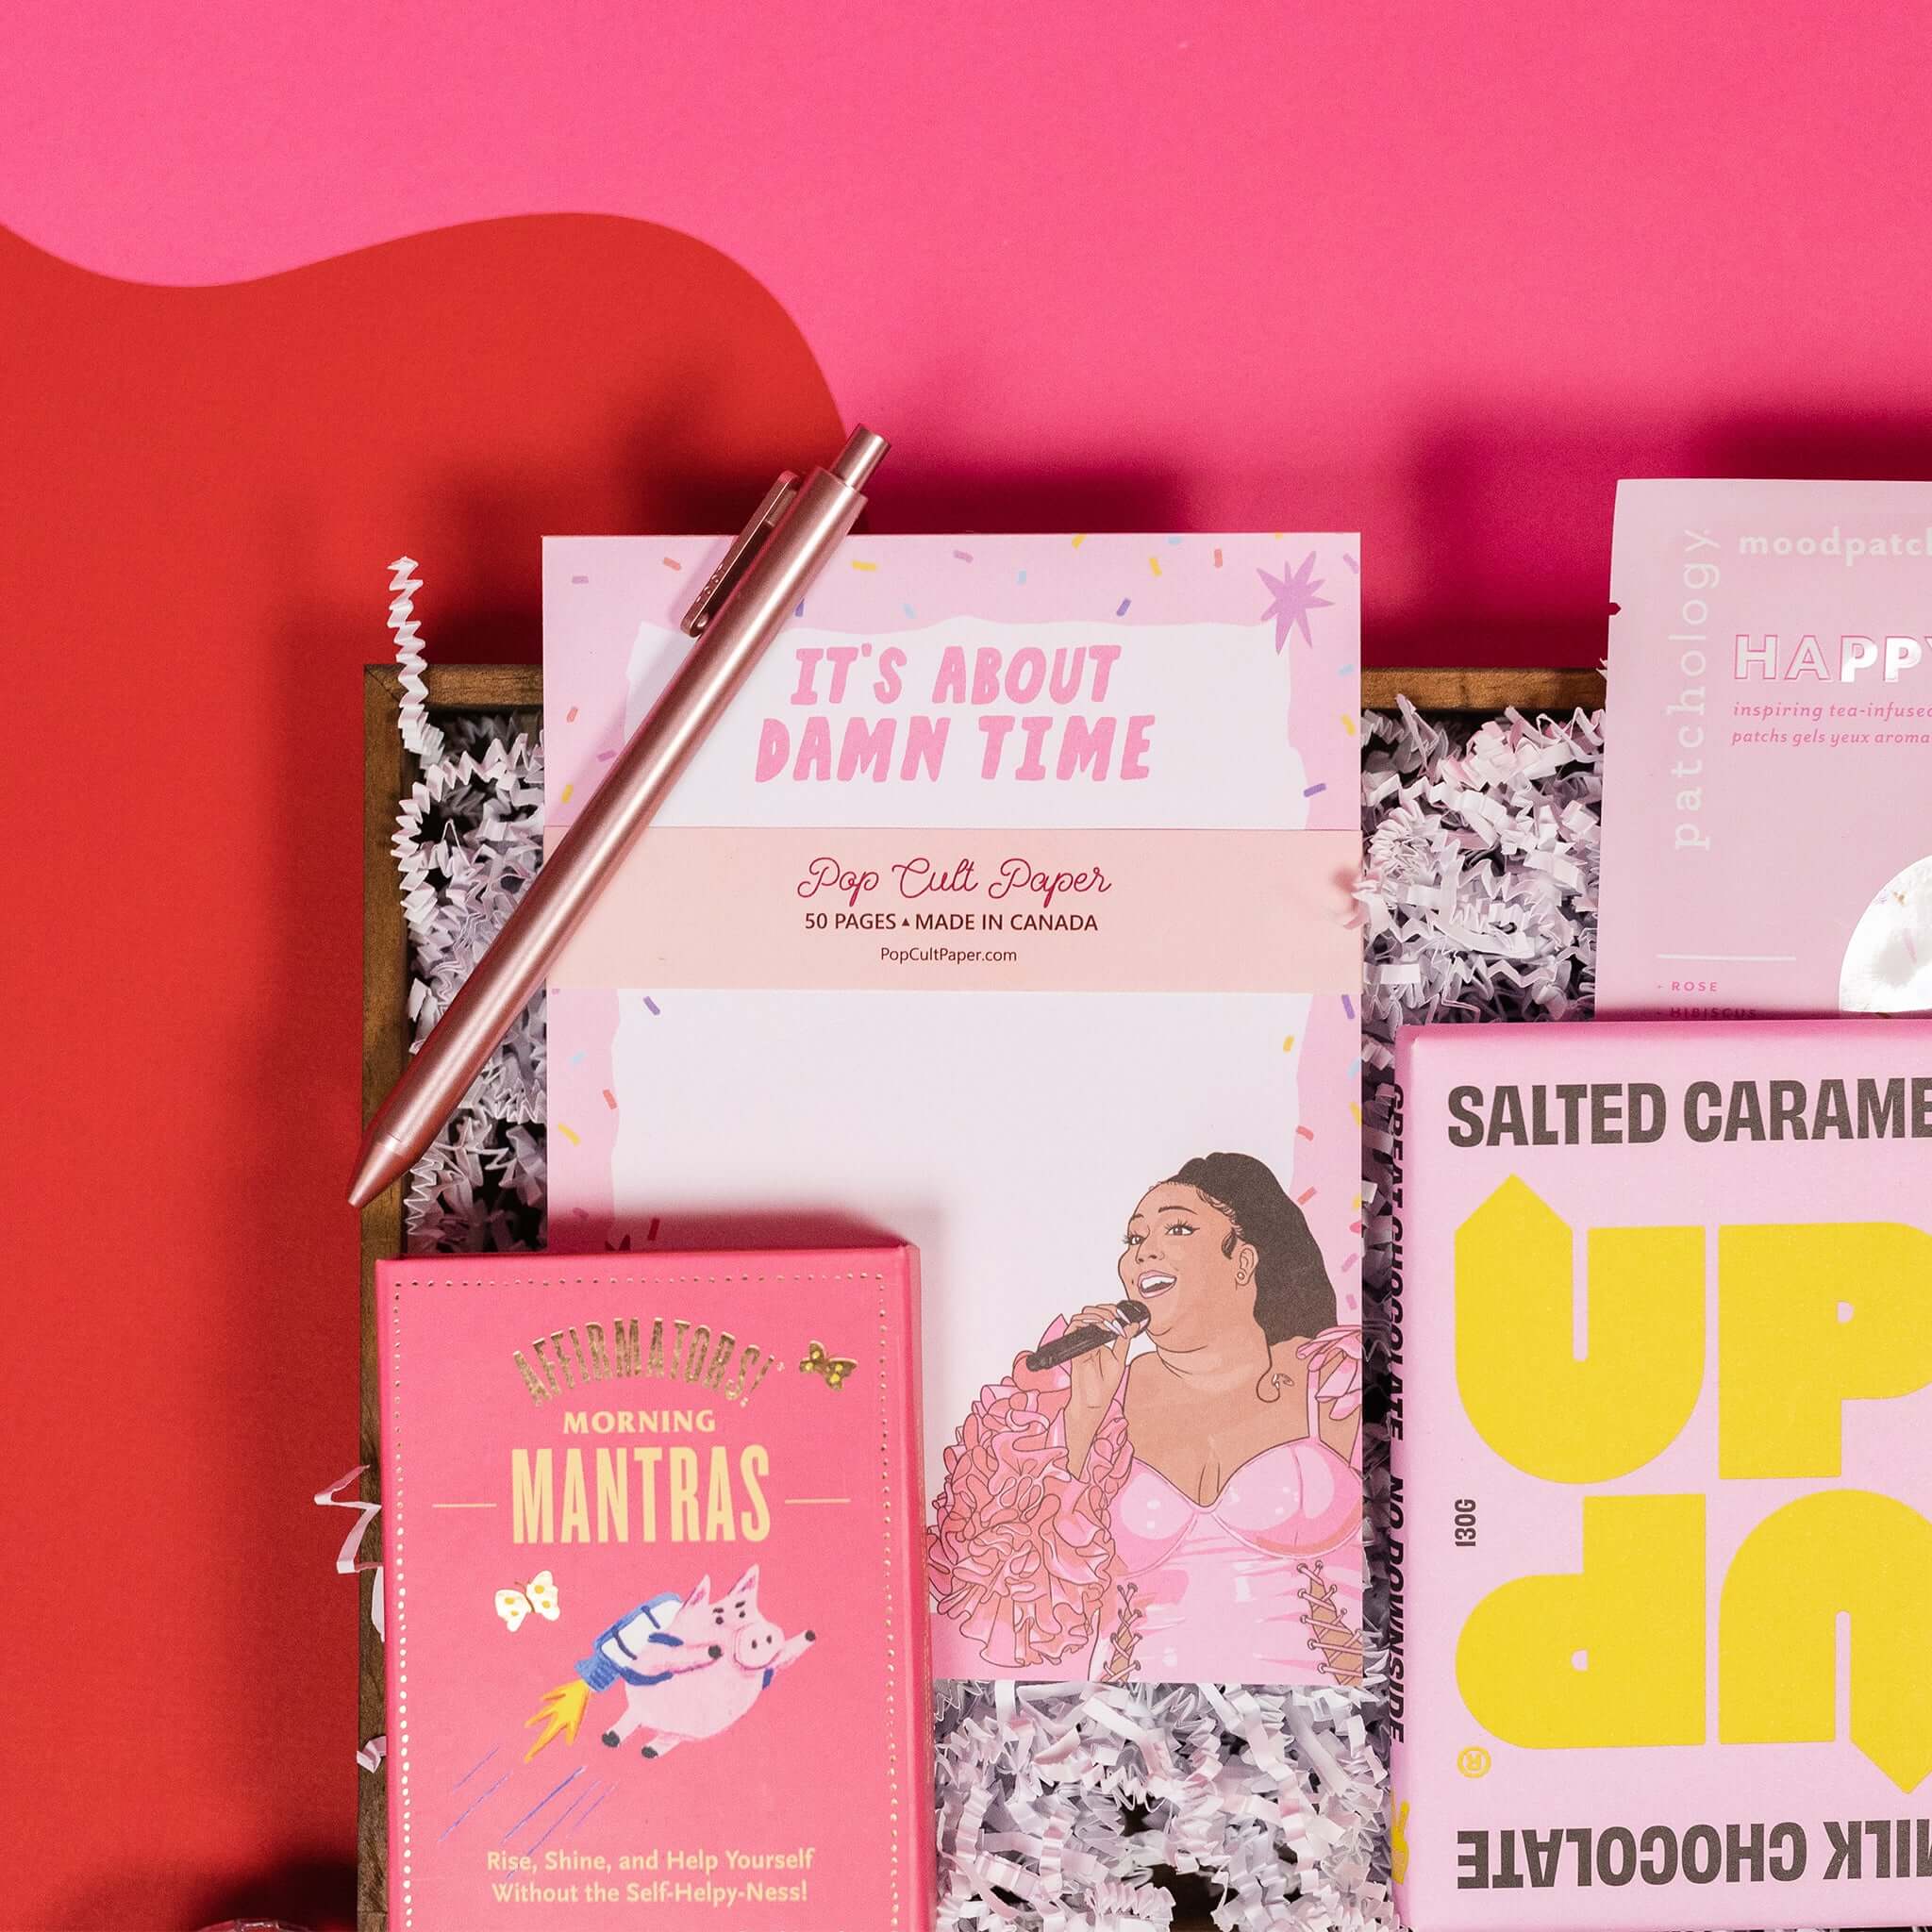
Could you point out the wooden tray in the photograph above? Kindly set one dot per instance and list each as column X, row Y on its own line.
column 388, row 772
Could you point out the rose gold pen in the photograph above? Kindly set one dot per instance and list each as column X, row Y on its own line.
column 741, row 609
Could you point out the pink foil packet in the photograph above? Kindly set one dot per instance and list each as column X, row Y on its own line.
column 1767, row 843
column 655, row 1632
column 1661, row 1576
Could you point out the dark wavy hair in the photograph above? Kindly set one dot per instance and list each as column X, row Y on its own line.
column 1292, row 1293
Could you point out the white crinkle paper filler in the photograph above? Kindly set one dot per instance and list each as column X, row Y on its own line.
column 1065, row 1807
column 419, row 735
column 468, row 837
column 1479, row 868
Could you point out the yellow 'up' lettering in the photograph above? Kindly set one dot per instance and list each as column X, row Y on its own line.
column 1840, row 1550
column 1787, row 1356
column 1633, row 1615
column 1524, row 1391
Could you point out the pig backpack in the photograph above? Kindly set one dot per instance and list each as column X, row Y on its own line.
column 689, row 1667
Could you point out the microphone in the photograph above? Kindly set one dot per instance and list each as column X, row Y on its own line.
column 1090, row 1336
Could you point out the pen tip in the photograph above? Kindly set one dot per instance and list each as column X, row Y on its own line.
column 382, row 1160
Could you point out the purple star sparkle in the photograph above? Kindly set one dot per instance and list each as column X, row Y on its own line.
column 1294, row 597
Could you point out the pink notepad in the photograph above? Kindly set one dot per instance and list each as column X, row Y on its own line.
column 1007, row 911
column 1661, row 1572
column 651, row 1527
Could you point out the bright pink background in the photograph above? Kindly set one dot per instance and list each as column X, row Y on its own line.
column 1439, row 273
column 1436, row 274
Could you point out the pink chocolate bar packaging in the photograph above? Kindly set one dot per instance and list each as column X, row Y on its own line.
column 656, row 1617
column 1661, row 1572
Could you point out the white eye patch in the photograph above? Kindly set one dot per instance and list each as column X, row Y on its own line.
column 1887, row 965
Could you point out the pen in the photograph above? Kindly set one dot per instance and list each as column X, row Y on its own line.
column 742, row 607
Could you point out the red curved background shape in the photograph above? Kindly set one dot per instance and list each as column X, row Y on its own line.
column 207, row 485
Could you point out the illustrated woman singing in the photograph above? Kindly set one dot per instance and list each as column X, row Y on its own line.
column 1189, row 1511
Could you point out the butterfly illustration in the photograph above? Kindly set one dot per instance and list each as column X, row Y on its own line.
column 539, row 1594
column 834, row 1367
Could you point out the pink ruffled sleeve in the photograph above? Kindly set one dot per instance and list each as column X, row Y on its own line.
column 1021, row 1552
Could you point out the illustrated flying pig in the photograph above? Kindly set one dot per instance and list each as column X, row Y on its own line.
column 691, row 1667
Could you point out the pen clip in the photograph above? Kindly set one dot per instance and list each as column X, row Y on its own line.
column 737, row 560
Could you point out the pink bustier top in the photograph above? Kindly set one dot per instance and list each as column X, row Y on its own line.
column 1271, row 1570
column 1113, row 1573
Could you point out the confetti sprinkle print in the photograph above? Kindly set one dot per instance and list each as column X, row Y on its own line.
column 1306, row 1133
column 569, row 1134
column 1306, row 1195
column 1313, row 791
column 580, row 580
column 1079, row 540
column 656, row 1009
column 1122, row 610
column 1348, row 723
column 604, row 757
column 564, row 795
column 858, row 565
column 1217, row 559
column 965, row 555
column 1153, row 564
column 611, row 1100
column 1288, row 1044
column 672, row 563
column 570, row 717
column 1348, row 1005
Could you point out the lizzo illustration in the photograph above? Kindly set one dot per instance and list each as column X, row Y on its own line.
column 1169, row 1488
column 689, row 1668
